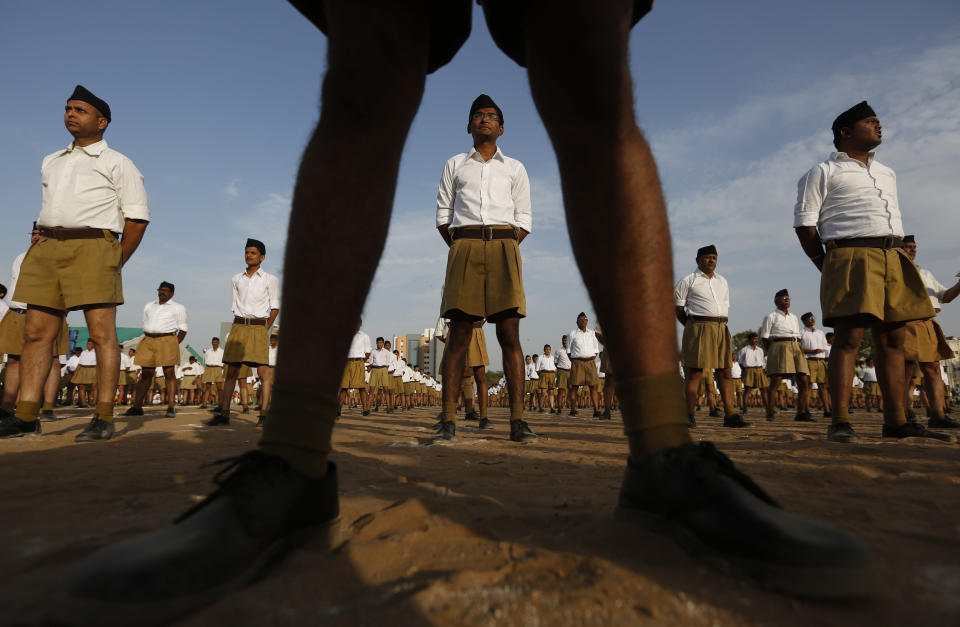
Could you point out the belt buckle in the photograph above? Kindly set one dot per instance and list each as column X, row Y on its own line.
column 486, row 233
column 888, row 242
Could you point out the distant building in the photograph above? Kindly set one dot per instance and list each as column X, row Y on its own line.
column 952, row 366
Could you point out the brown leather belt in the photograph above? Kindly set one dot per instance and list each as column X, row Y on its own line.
column 722, row 319
column 816, row 359
column 356, row 359
column 886, row 243
column 61, row 233
column 564, row 369
column 259, row 322
column 784, row 339
column 583, row 358
column 486, row 233
column 160, row 334
column 378, row 366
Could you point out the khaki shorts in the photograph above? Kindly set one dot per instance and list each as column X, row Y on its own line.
column 159, row 383
column 353, row 376
column 706, row 383
column 130, row 378
column 818, row 370
column 155, row 352
column 563, row 378
column 883, row 284
column 397, row 385
column 244, row 372
column 466, row 386
column 410, row 387
column 924, row 342
column 755, row 377
column 11, row 335
column 189, row 382
column 583, row 372
column 548, row 380
column 247, row 344
column 379, row 378
column 483, row 279
column 605, row 366
column 477, row 351
column 531, row 386
column 72, row 273
column 786, row 358
column 212, row 374
column 706, row 345
column 84, row 375
column 871, row 388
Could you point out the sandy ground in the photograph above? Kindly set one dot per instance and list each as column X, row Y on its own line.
column 485, row 531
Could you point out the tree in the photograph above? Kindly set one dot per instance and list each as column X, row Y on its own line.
column 740, row 339
column 493, row 376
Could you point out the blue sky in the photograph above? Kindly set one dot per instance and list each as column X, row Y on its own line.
column 214, row 102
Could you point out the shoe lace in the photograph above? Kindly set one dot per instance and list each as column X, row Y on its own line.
column 707, row 451
column 247, row 464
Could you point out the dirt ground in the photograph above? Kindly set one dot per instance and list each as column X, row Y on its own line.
column 485, row 531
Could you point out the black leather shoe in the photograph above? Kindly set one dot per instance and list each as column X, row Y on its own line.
column 573, row 412
column 246, row 410
column 605, row 415
column 938, row 423
column 485, row 424
column 261, row 420
column 596, row 413
column 170, row 413
column 914, row 430
column 842, row 432
column 48, row 415
column 694, row 494
column 735, row 421
column 13, row 427
column 804, row 416
column 260, row 511
column 446, row 431
column 691, row 421
column 771, row 417
column 472, row 416
column 217, row 420
column 520, row 431
column 715, row 413
column 134, row 411
column 827, row 414
column 95, row 430
column 365, row 412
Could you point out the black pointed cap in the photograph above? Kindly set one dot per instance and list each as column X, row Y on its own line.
column 851, row 116
column 82, row 93
column 482, row 102
column 256, row 244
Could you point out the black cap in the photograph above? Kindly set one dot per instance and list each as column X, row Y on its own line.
column 782, row 292
column 255, row 243
column 851, row 116
column 34, row 226
column 168, row 285
column 483, row 101
column 3, row 288
column 82, row 93
column 707, row 250
column 909, row 239
column 804, row 317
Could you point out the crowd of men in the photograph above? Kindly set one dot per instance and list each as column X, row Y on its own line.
column 846, row 217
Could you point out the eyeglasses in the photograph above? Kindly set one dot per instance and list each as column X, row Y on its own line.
column 479, row 115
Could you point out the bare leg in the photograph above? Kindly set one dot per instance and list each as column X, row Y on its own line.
column 890, row 370
column 41, row 329
column 508, row 335
column 102, row 323
column 692, row 387
column 52, row 384
column 11, row 383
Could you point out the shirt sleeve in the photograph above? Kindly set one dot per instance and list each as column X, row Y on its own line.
column 765, row 327
column 811, row 190
column 182, row 319
column 145, row 308
column 680, row 292
column 236, row 295
column 445, row 195
column 520, row 190
column 273, row 292
column 131, row 194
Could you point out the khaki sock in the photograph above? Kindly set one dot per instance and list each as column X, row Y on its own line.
column 934, row 413
column 840, row 414
column 450, row 411
column 894, row 417
column 654, row 413
column 47, row 407
column 28, row 411
column 516, row 411
column 299, row 428
column 483, row 412
column 9, row 406
column 104, row 411
column 729, row 410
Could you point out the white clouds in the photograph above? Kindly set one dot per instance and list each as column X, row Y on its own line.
column 232, row 189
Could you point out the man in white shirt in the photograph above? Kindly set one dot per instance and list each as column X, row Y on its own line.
column 531, row 382
column 547, row 370
column 871, row 386
column 583, row 351
column 93, row 216
column 579, row 77
column 849, row 205
column 751, row 358
column 256, row 304
column 380, row 378
column 126, row 362
column 702, row 301
column 780, row 333
column 925, row 344
column 813, row 343
column 562, row 358
column 354, row 373
column 212, row 373
column 164, row 327
column 188, row 381
column 483, row 214
column 85, row 377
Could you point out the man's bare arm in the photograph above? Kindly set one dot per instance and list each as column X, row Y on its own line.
column 131, row 237
column 951, row 293
column 681, row 316
column 273, row 316
column 812, row 246
column 445, row 234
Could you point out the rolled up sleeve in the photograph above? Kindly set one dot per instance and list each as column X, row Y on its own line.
column 810, row 194
column 520, row 190
column 445, row 195
column 131, row 194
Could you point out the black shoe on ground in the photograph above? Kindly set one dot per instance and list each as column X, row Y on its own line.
column 485, row 424
column 715, row 413
column 472, row 416
column 261, row 420
column 691, row 421
column 246, row 410
column 735, row 421
column 520, row 431
column 95, row 430
column 694, row 494
column 596, row 413
column 771, row 417
column 606, row 415
column 943, row 423
column 261, row 510
column 573, row 412
column 217, row 420
column 170, row 413
column 804, row 416
column 48, row 415
column 13, row 427
column 842, row 432
column 910, row 415
column 134, row 411
column 365, row 412
column 446, row 431
column 914, row 430
column 827, row 414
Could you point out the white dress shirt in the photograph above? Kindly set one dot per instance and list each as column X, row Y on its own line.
column 168, row 317
column 4, row 308
column 735, row 371
column 530, row 371
column 213, row 357
column 91, row 186
column 125, row 362
column 380, row 357
column 583, row 344
column 868, row 375
column 272, row 356
column 844, row 198
column 72, row 363
column 546, row 363
column 779, row 324
column 813, row 340
column 477, row 192
column 935, row 290
column 359, row 346
column 14, row 275
column 254, row 296
column 562, row 358
column 750, row 357
column 701, row 295
column 407, row 375
column 88, row 358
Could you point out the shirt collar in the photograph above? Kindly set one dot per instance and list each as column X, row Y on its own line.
column 699, row 272
column 93, row 150
column 259, row 272
column 497, row 155
column 842, row 156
